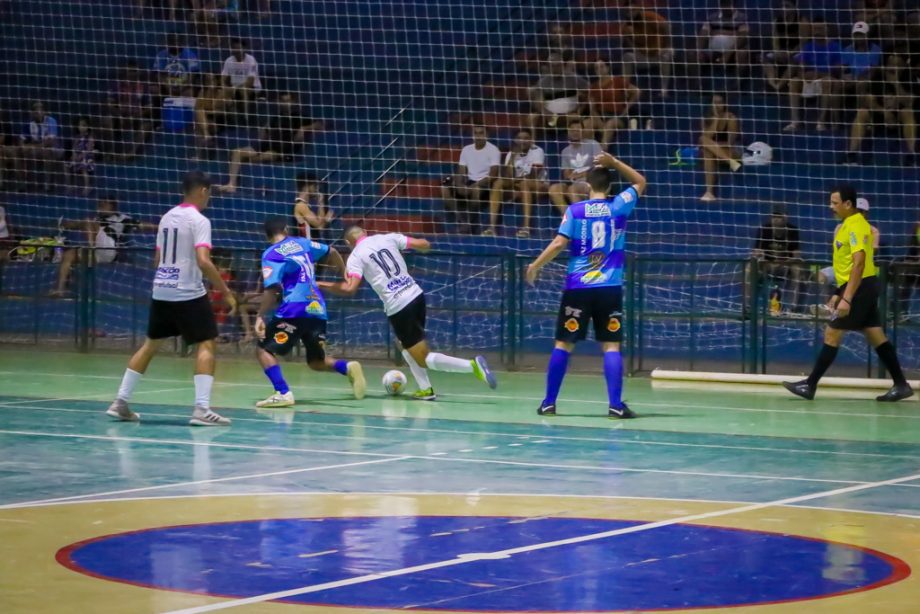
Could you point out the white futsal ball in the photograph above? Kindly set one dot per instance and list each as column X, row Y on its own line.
column 394, row 382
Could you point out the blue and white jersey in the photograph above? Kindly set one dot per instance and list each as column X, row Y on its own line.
column 597, row 231
column 291, row 264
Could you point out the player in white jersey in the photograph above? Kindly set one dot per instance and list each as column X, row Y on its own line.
column 180, row 304
column 378, row 259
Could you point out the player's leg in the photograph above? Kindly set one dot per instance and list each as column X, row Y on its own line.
column 571, row 326
column 280, row 338
column 314, row 340
column 197, row 325
column 889, row 357
column 423, row 389
column 607, row 313
column 806, row 388
column 136, row 368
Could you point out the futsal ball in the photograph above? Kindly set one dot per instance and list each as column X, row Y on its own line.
column 394, row 382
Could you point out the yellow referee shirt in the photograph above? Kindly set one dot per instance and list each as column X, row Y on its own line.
column 854, row 235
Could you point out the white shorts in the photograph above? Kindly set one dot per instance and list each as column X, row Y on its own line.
column 561, row 106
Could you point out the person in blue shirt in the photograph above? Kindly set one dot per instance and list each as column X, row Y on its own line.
column 594, row 232
column 41, row 149
column 293, row 310
column 818, row 69
column 175, row 66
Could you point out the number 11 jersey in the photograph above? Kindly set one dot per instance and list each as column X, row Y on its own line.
column 378, row 259
column 181, row 232
column 596, row 230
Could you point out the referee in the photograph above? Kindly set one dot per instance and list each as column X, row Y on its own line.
column 855, row 303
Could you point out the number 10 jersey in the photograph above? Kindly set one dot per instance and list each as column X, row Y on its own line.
column 378, row 259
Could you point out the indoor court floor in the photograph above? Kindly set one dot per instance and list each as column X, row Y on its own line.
column 714, row 498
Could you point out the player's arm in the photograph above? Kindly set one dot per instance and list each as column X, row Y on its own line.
column 334, row 259
column 203, row 256
column 627, row 172
column 346, row 288
column 557, row 245
column 420, row 245
column 304, row 214
column 267, row 305
column 859, row 265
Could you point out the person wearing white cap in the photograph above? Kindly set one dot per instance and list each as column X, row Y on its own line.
column 861, row 61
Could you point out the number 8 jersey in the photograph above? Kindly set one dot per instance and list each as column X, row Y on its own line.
column 378, row 259
column 181, row 232
column 597, row 231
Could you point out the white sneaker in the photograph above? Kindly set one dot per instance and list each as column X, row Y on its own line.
column 120, row 411
column 278, row 400
column 356, row 377
column 206, row 417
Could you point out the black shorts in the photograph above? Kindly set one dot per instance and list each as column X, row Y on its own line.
column 282, row 334
column 409, row 322
column 579, row 307
column 193, row 320
column 864, row 312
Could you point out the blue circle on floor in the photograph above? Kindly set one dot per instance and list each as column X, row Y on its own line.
column 670, row 567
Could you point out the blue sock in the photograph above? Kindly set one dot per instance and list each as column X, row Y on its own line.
column 277, row 380
column 555, row 373
column 613, row 372
column 341, row 367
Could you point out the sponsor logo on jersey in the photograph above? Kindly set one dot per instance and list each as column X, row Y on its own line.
column 839, row 244
column 627, row 197
column 571, row 311
column 266, row 272
column 571, row 325
column 399, row 284
column 596, row 259
column 314, row 308
column 316, row 245
column 593, row 277
column 853, row 239
column 613, row 325
column 597, row 210
column 281, row 337
column 167, row 273
column 291, row 247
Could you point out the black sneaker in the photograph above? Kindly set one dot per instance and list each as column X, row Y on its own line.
column 623, row 412
column 547, row 409
column 896, row 393
column 800, row 389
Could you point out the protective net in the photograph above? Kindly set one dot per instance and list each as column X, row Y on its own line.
column 408, row 116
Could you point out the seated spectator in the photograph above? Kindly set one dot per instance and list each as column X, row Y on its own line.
column 82, row 161
column 8, row 241
column 610, row 100
column 780, row 256
column 108, row 231
column 241, row 74
column 723, row 39
column 881, row 18
column 889, row 103
column 281, row 139
column 785, row 43
column 176, row 67
column 524, row 174
column 40, row 153
column 577, row 160
column 312, row 212
column 817, row 68
column 128, row 120
column 211, row 108
column 860, row 63
column 556, row 95
column 647, row 42
column 464, row 193
column 718, row 143
column 559, row 40
column 209, row 15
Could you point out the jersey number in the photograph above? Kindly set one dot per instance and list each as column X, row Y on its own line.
column 381, row 257
column 598, row 235
column 165, row 251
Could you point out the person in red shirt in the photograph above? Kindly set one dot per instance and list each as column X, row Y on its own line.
column 646, row 42
column 610, row 99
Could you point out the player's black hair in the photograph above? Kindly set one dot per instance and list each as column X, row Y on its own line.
column 599, row 178
column 307, row 177
column 847, row 193
column 195, row 180
column 275, row 225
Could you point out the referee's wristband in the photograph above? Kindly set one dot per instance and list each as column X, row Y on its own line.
column 848, row 302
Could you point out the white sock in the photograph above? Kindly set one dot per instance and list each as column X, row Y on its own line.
column 420, row 374
column 443, row 362
column 128, row 383
column 203, row 385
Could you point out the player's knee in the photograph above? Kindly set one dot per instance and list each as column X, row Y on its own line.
column 317, row 364
column 565, row 346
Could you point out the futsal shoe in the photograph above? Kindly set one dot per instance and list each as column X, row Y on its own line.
column 896, row 393
column 546, row 409
column 278, row 400
column 425, row 395
column 800, row 389
column 482, row 371
column 206, row 417
column 356, row 377
column 623, row 412
column 120, row 411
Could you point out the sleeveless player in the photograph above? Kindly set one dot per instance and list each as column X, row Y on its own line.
column 594, row 231
column 379, row 259
column 854, row 305
column 289, row 271
column 180, row 303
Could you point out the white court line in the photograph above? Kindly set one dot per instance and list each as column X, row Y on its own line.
column 502, row 554
column 606, row 441
column 87, row 397
column 706, row 406
column 198, row 482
